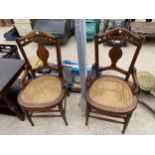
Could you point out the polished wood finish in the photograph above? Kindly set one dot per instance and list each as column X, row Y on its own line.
column 42, row 39
column 10, row 69
column 115, row 54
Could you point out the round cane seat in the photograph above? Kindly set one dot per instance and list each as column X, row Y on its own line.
column 146, row 81
column 112, row 95
column 41, row 92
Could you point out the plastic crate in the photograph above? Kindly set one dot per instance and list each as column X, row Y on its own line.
column 92, row 28
column 60, row 27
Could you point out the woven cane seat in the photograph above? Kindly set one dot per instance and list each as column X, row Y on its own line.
column 111, row 94
column 42, row 91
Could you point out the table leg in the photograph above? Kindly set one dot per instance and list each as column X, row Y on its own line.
column 13, row 107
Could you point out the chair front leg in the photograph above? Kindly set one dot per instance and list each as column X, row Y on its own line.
column 127, row 119
column 63, row 114
column 28, row 116
column 87, row 113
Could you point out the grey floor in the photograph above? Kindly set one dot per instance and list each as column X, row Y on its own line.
column 142, row 121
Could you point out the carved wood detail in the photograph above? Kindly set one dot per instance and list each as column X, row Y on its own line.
column 115, row 54
column 43, row 54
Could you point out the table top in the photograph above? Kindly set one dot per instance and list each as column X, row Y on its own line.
column 10, row 69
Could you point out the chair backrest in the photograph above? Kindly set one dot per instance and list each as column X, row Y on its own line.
column 115, row 52
column 42, row 39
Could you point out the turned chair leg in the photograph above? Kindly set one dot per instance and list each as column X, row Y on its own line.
column 28, row 116
column 127, row 119
column 87, row 113
column 63, row 114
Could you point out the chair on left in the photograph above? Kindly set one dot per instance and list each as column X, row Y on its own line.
column 44, row 92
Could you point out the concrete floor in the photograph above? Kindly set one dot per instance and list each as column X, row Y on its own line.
column 142, row 121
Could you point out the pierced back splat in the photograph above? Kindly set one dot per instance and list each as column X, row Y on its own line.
column 43, row 54
column 41, row 38
column 115, row 54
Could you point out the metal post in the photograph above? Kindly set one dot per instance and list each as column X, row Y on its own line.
column 80, row 32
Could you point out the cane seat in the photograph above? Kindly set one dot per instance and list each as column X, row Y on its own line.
column 42, row 92
column 111, row 94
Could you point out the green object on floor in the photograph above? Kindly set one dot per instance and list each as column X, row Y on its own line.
column 92, row 28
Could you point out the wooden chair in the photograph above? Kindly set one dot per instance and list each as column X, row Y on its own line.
column 109, row 95
column 44, row 92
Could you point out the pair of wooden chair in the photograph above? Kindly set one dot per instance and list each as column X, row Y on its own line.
column 106, row 95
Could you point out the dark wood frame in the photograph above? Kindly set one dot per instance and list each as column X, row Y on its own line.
column 43, row 38
column 115, row 34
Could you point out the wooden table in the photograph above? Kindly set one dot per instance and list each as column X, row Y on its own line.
column 10, row 69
